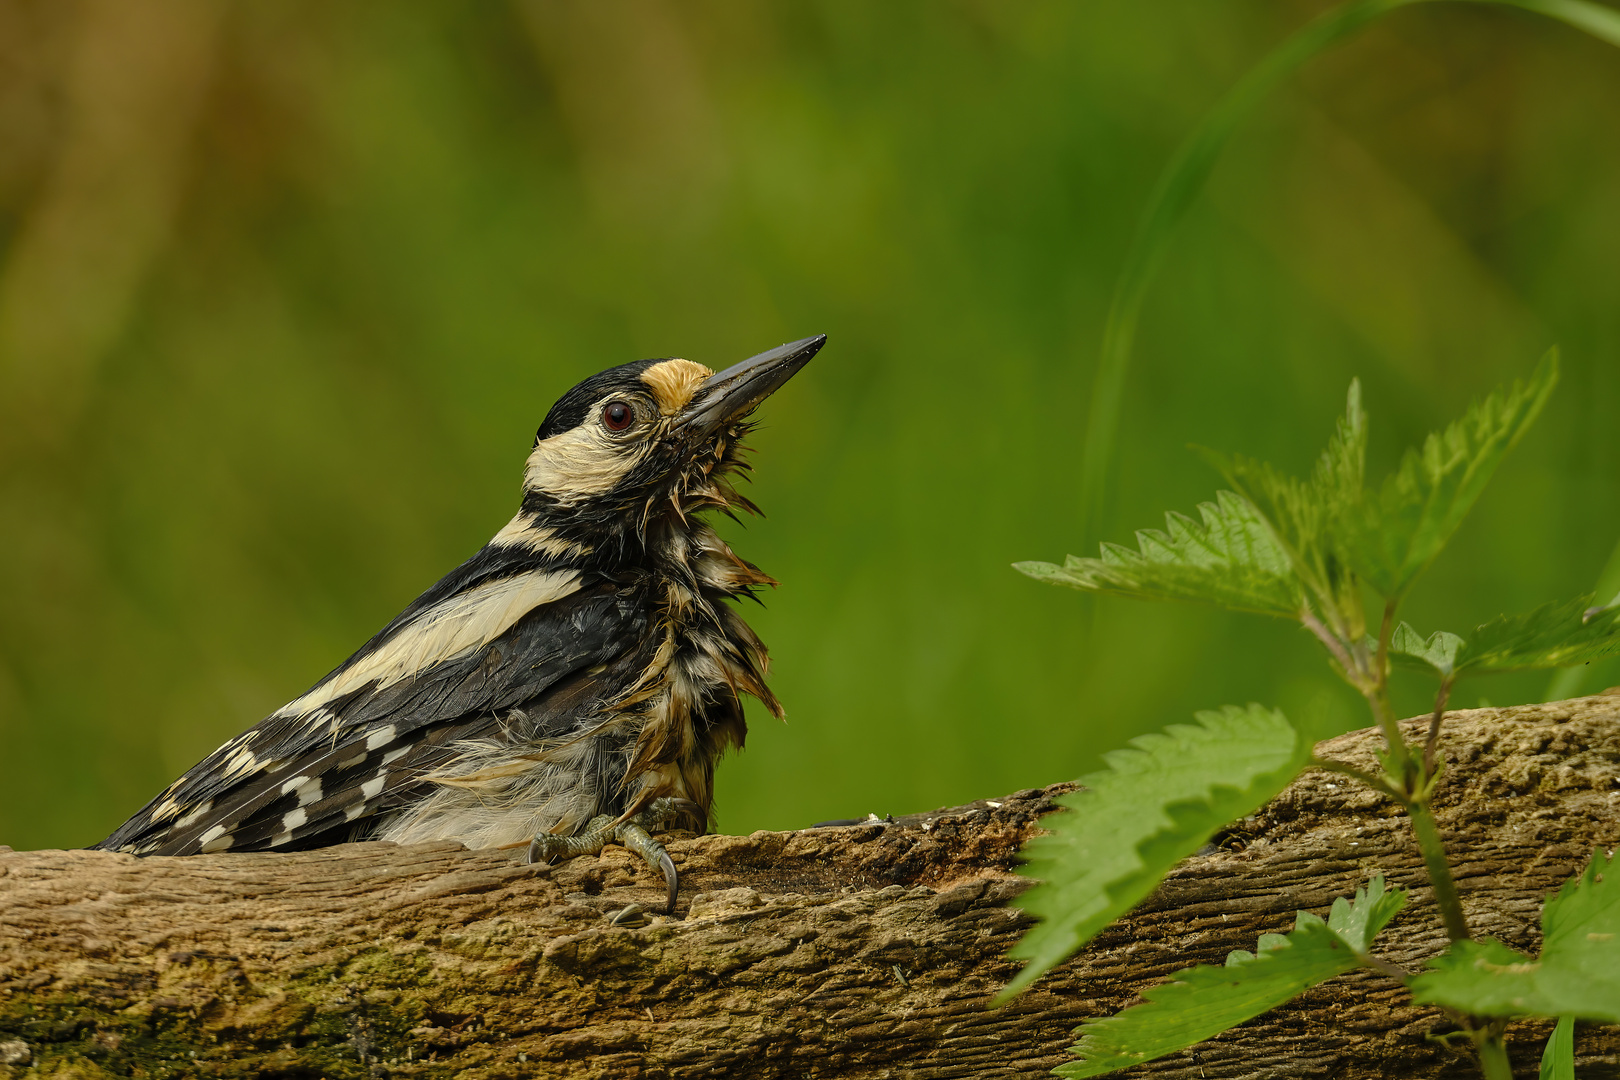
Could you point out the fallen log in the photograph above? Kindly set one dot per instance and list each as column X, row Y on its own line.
column 862, row 951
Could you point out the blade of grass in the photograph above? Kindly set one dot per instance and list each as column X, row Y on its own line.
column 1571, row 682
column 1558, row 1059
column 1178, row 186
column 1183, row 178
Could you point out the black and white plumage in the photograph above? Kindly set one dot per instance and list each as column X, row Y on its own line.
column 583, row 663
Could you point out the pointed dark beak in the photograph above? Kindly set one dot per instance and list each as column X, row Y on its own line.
column 734, row 392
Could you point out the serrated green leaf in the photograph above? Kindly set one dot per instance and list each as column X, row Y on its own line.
column 1158, row 802
column 1359, row 920
column 1393, row 537
column 1437, row 652
column 1553, row 635
column 1204, row 1001
column 1228, row 558
column 1301, row 514
column 1577, row 974
column 1558, row 1059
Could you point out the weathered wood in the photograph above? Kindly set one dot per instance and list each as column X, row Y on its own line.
column 866, row 951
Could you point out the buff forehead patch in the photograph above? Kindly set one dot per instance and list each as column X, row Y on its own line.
column 673, row 382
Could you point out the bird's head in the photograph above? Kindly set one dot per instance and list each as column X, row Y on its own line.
column 645, row 441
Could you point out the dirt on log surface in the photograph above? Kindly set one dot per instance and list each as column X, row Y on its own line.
column 860, row 951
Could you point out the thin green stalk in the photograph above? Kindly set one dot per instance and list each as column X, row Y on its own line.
column 1431, row 745
column 1400, row 755
column 1183, row 178
column 1386, row 630
column 1399, row 761
column 1493, row 1055
column 1372, row 780
column 1334, row 646
column 1434, row 860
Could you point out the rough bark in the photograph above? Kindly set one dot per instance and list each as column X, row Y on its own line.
column 863, row 951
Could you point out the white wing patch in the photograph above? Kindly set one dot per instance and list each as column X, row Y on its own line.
column 241, row 763
column 307, row 787
column 451, row 628
column 195, row 816
column 215, row 839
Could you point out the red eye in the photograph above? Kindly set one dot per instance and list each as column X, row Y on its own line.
column 616, row 415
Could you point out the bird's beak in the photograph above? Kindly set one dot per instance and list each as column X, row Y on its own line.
column 734, row 392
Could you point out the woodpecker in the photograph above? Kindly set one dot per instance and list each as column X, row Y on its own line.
column 571, row 684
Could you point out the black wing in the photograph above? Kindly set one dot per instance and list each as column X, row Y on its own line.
column 305, row 775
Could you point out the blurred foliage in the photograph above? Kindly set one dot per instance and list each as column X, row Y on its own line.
column 286, row 288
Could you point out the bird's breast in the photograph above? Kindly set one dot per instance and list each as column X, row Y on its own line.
column 687, row 703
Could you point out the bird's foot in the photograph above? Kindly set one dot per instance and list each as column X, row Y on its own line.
column 634, row 833
column 547, row 848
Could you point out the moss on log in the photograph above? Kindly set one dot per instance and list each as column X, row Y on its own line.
column 864, row 951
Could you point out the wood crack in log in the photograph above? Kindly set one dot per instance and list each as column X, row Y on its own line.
column 860, row 951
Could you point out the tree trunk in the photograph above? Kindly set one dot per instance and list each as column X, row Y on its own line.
column 860, row 951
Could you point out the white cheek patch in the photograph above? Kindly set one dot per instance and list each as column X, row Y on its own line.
column 580, row 463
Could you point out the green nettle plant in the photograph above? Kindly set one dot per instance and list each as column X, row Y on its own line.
column 1316, row 551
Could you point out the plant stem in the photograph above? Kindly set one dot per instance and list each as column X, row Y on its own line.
column 1400, row 755
column 1434, row 860
column 1385, row 630
column 1334, row 646
column 1440, row 699
column 1493, row 1056
column 1394, row 971
column 1372, row 780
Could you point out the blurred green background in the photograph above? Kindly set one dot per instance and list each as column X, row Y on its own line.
column 285, row 289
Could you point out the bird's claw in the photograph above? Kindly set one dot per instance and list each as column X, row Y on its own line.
column 588, row 841
column 638, row 840
column 635, row 834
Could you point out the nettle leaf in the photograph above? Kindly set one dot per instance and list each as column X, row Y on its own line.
column 1578, row 973
column 1554, row 635
column 1157, row 803
column 1361, row 919
column 1204, row 1001
column 1395, row 535
column 1438, row 651
column 1301, row 513
column 1228, row 558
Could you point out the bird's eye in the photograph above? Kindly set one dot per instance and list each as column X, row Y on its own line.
column 616, row 415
